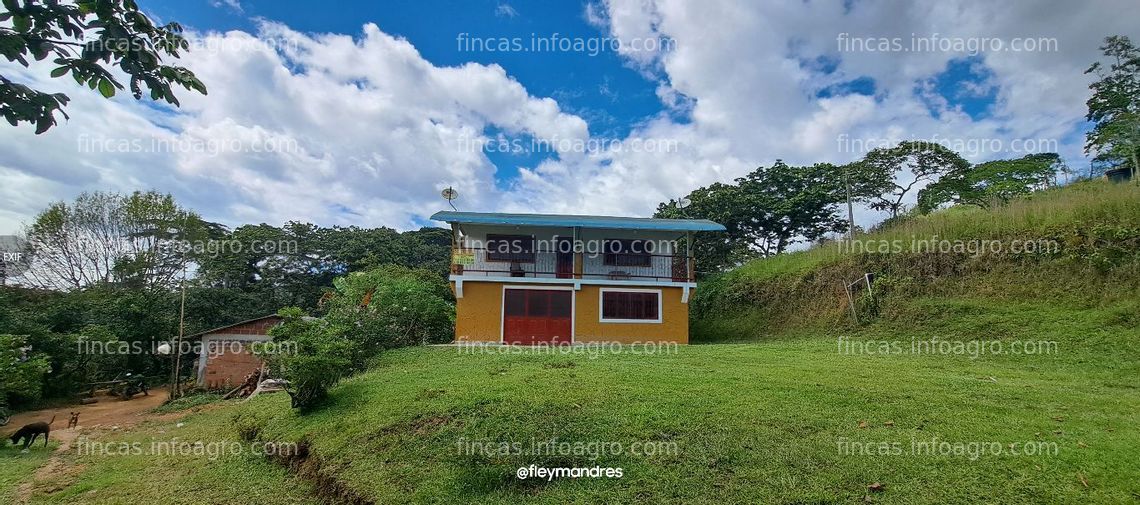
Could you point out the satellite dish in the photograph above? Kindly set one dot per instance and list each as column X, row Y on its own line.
column 449, row 194
column 684, row 202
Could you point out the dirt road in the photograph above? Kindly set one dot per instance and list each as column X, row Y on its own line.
column 108, row 413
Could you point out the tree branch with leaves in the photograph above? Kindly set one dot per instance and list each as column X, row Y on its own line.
column 881, row 172
column 87, row 39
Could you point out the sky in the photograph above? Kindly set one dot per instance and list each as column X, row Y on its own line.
column 359, row 113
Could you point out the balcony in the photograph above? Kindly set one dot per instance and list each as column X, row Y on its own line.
column 472, row 263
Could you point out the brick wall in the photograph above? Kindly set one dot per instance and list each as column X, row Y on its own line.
column 258, row 327
column 229, row 356
column 230, row 362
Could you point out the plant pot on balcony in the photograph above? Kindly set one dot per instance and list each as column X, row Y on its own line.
column 618, row 275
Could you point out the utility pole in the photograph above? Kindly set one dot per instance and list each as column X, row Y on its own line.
column 176, row 385
column 850, row 213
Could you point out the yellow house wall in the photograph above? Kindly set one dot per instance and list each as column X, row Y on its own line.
column 674, row 325
column 478, row 316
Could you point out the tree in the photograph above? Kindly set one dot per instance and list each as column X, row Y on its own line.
column 1114, row 108
column 720, row 203
column 390, row 307
column 21, row 370
column 322, row 357
column 764, row 212
column 135, row 239
column 120, row 35
column 992, row 183
column 788, row 205
column 879, row 172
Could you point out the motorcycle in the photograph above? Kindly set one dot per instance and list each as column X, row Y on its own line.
column 130, row 385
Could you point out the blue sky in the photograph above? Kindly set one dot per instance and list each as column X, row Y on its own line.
column 610, row 95
column 358, row 113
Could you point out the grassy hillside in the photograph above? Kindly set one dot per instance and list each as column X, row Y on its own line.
column 997, row 378
column 1086, row 241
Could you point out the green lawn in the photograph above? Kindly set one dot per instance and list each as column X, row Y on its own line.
column 157, row 463
column 798, row 419
column 16, row 468
column 768, row 422
column 751, row 423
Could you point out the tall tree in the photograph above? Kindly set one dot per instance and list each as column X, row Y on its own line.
column 764, row 212
column 723, row 204
column 894, row 172
column 86, row 37
column 1114, row 108
column 789, row 204
column 993, row 182
column 108, row 237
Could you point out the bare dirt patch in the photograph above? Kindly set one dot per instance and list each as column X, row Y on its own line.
column 109, row 414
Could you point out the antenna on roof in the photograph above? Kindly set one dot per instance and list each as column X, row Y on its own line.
column 682, row 203
column 450, row 194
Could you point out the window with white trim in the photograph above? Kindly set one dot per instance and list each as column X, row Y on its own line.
column 630, row 305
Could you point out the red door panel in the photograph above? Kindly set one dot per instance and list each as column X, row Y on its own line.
column 537, row 316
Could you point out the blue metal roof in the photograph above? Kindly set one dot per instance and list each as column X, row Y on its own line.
column 567, row 220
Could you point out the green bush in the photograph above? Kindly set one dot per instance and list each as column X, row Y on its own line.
column 384, row 308
column 20, row 374
column 319, row 357
column 391, row 307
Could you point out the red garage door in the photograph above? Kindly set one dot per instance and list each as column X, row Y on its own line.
column 537, row 316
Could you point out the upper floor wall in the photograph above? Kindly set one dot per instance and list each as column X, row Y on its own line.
column 571, row 253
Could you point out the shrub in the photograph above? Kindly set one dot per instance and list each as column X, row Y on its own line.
column 20, row 374
column 391, row 307
column 384, row 308
column 320, row 357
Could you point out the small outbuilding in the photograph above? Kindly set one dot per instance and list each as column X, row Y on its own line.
column 1119, row 174
column 225, row 355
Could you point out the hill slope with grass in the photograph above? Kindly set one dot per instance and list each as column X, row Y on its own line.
column 1036, row 260
column 1035, row 397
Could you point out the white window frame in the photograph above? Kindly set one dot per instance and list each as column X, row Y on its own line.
column 601, row 305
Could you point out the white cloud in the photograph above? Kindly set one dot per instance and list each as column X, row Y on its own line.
column 367, row 131
column 322, row 128
column 232, row 4
column 504, row 9
column 742, row 68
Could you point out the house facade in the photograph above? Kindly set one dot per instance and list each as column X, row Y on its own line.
column 539, row 279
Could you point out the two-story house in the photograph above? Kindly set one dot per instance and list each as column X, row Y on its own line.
column 536, row 279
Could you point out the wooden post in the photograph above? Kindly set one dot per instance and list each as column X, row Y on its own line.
column 851, row 302
column 690, row 263
column 176, row 386
column 579, row 260
column 455, row 246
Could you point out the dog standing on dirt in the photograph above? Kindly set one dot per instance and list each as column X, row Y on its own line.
column 73, row 421
column 31, row 431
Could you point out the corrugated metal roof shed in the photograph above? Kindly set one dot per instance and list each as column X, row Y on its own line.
column 569, row 220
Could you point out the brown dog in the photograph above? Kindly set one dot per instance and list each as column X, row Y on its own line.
column 73, row 421
column 31, row 431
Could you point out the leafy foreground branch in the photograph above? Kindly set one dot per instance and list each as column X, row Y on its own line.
column 123, row 37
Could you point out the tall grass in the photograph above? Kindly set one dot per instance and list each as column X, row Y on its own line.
column 1089, row 233
column 1041, row 215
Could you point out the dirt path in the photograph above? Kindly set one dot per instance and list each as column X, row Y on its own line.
column 106, row 414
column 109, row 414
